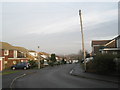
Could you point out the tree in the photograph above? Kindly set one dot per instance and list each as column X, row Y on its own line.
column 53, row 58
column 63, row 61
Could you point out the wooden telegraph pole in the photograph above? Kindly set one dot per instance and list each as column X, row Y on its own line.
column 83, row 48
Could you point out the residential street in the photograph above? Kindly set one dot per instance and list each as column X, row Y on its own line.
column 7, row 79
column 54, row 44
column 59, row 77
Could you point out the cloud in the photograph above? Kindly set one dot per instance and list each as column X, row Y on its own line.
column 105, row 37
column 90, row 20
column 93, row 19
column 57, row 27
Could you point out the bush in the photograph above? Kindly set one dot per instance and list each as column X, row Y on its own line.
column 33, row 64
column 102, row 63
column 51, row 63
column 90, row 66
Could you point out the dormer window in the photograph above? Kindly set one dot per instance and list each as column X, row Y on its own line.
column 6, row 52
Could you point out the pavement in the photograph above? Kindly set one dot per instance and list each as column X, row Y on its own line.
column 78, row 71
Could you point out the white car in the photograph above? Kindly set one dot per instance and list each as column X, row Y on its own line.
column 88, row 59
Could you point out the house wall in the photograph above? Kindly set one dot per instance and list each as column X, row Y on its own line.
column 118, row 42
column 44, row 56
column 11, row 54
column 112, row 45
column 9, row 59
column 33, row 54
column 96, row 49
column 12, row 61
column 2, row 55
column 1, row 64
column 2, row 59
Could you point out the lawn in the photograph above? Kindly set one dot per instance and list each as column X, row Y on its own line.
column 7, row 72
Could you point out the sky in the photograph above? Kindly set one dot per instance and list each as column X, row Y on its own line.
column 55, row 26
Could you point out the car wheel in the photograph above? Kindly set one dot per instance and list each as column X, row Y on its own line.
column 13, row 68
column 25, row 68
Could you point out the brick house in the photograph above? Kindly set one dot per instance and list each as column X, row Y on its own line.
column 45, row 56
column 10, row 55
column 106, row 46
column 33, row 55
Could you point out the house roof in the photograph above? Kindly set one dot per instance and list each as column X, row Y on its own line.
column 117, row 37
column 32, row 51
column 100, row 42
column 112, row 41
column 21, row 49
column 7, row 46
column 44, row 53
column 4, row 45
column 104, row 42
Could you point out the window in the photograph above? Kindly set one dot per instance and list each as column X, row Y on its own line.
column 6, row 52
column 5, row 62
column 21, row 60
column 14, row 62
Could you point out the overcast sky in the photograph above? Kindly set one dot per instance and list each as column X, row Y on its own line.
column 55, row 26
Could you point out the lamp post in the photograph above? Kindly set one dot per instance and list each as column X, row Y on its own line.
column 38, row 58
column 83, row 48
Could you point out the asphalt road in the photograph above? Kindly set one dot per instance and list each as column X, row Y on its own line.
column 59, row 77
column 7, row 79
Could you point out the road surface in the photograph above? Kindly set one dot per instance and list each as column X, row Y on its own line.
column 59, row 77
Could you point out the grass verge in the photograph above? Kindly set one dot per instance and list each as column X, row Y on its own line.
column 7, row 72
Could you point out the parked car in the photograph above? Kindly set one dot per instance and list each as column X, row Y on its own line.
column 57, row 63
column 87, row 59
column 22, row 65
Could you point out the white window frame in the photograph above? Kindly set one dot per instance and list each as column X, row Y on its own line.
column 14, row 62
column 15, row 53
column 22, row 60
column 6, row 52
column 5, row 62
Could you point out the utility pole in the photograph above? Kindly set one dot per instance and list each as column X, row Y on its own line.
column 38, row 58
column 83, row 48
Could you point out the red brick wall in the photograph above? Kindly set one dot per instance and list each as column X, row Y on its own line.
column 11, row 54
column 2, row 51
column 0, row 65
column 6, row 58
column 10, row 62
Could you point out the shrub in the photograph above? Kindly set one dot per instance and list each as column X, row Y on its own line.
column 51, row 63
column 33, row 64
column 102, row 63
column 90, row 66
